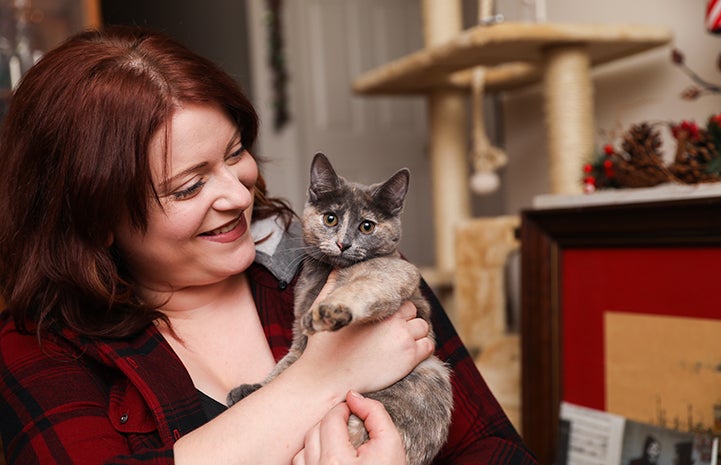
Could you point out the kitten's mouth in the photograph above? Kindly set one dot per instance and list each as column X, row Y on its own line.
column 341, row 260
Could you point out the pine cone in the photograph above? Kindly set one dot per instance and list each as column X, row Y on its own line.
column 694, row 152
column 642, row 165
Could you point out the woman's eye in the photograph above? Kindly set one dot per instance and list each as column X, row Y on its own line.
column 189, row 192
column 329, row 219
column 367, row 227
column 236, row 155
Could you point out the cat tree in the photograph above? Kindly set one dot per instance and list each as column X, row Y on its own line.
column 560, row 56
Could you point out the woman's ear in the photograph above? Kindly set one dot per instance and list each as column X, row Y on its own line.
column 110, row 239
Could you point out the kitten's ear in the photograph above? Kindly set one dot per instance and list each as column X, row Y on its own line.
column 323, row 178
column 391, row 194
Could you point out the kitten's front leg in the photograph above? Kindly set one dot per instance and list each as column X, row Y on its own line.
column 367, row 291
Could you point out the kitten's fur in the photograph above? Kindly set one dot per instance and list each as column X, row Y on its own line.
column 372, row 283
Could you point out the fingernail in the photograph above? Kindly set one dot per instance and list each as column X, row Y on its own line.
column 356, row 394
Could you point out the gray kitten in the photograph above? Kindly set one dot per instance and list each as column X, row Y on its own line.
column 356, row 229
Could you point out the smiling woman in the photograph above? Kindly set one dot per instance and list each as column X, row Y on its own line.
column 143, row 264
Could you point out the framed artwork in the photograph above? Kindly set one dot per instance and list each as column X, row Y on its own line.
column 620, row 313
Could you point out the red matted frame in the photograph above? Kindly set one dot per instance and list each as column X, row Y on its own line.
column 654, row 257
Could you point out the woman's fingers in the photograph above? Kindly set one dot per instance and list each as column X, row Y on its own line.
column 418, row 328
column 384, row 445
column 407, row 311
column 373, row 413
column 328, row 441
column 334, row 437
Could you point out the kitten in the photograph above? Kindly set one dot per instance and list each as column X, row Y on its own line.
column 356, row 229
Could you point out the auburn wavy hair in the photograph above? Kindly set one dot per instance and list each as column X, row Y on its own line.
column 74, row 150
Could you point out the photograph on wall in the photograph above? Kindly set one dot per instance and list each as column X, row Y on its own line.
column 664, row 370
column 596, row 437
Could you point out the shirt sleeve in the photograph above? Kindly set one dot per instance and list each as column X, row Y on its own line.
column 480, row 431
column 56, row 409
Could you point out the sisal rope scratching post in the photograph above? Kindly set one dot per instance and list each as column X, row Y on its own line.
column 448, row 147
column 569, row 115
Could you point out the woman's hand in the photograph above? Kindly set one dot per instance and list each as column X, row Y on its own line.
column 328, row 442
column 367, row 357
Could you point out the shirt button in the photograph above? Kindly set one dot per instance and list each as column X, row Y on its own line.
column 124, row 419
column 282, row 285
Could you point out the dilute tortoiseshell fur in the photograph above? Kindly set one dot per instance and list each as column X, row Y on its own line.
column 356, row 229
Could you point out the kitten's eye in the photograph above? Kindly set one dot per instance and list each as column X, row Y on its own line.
column 367, row 227
column 329, row 219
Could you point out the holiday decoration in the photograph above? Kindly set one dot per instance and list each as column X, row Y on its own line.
column 638, row 160
column 713, row 16
column 700, row 87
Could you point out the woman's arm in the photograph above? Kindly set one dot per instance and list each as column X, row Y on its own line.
column 269, row 425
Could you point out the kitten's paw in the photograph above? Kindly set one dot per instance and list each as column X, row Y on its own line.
column 306, row 323
column 241, row 392
column 331, row 316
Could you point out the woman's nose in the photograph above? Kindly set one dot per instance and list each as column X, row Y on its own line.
column 231, row 193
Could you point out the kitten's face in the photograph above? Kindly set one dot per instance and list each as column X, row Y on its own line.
column 345, row 223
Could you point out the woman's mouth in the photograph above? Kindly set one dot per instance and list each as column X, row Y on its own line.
column 228, row 232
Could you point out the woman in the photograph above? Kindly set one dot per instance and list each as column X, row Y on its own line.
column 138, row 296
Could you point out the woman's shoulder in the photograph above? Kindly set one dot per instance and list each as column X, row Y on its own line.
column 56, row 348
column 24, row 346
column 38, row 369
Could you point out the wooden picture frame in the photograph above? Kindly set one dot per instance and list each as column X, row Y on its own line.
column 549, row 235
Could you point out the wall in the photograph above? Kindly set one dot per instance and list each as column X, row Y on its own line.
column 641, row 88
column 327, row 44
column 215, row 29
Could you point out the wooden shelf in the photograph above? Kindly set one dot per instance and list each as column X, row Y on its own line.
column 514, row 53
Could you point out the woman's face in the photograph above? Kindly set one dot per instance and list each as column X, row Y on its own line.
column 199, row 234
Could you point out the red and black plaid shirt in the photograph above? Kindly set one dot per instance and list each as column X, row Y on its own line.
column 76, row 400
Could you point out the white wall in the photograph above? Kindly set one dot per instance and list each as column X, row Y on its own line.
column 645, row 87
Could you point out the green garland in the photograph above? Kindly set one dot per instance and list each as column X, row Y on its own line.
column 277, row 62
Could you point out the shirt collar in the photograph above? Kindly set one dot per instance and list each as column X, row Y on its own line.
column 280, row 249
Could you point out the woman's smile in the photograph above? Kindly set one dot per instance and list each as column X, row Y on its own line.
column 229, row 232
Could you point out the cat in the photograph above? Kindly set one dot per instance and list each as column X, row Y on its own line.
column 356, row 229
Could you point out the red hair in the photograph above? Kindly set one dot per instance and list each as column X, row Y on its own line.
column 74, row 149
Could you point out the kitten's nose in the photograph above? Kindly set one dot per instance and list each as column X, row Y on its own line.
column 343, row 247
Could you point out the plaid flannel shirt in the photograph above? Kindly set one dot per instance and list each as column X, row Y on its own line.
column 76, row 400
